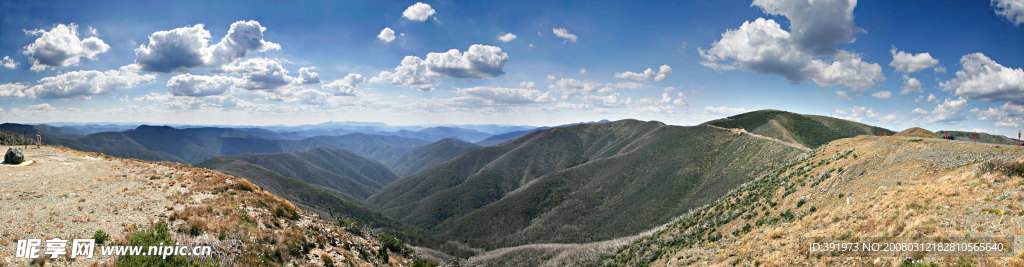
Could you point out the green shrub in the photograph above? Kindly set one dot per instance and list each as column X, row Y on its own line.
column 156, row 235
column 100, row 237
column 392, row 244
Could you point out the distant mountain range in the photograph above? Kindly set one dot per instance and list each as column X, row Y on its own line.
column 460, row 189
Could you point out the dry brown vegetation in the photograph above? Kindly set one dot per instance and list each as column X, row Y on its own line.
column 875, row 187
column 244, row 224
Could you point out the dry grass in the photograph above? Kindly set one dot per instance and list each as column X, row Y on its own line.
column 892, row 190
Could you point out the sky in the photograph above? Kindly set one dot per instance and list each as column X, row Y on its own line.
column 942, row 65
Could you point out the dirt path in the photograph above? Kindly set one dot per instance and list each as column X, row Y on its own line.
column 67, row 195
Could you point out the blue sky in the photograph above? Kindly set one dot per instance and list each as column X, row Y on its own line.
column 896, row 64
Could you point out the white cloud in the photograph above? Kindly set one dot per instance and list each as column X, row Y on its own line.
column 858, row 113
column 528, row 85
column 816, row 26
column 932, row 99
column 479, row 61
column 1008, row 115
column 507, row 37
column 411, row 72
column 85, row 83
column 175, row 50
column 307, row 76
column 919, row 111
column 843, row 95
column 418, row 12
column 311, row 97
column 387, row 35
column 949, row 111
column 983, row 79
column 242, row 37
column 909, row 63
column 200, row 85
column 849, row 70
column 911, row 85
column 507, row 96
column 763, row 46
column 583, row 70
column 569, row 87
column 9, row 63
column 61, row 46
column 12, row 90
column 181, row 49
column 1011, row 10
column 44, row 107
column 666, row 104
column 885, row 94
column 348, row 86
column 648, row 74
column 564, row 34
column 613, row 100
column 259, row 74
column 725, row 111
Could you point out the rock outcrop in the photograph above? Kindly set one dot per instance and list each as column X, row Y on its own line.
column 14, row 156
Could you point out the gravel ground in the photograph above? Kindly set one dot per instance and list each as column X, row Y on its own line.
column 68, row 195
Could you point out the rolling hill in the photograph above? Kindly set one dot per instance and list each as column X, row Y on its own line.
column 337, row 170
column 578, row 183
column 861, row 189
column 982, row 137
column 808, row 130
column 918, row 132
column 427, row 156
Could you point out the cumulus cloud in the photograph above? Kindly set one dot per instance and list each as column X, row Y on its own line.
column 418, row 12
column 949, row 111
column 85, row 83
column 816, row 26
column 200, row 85
column 613, row 100
column 725, row 111
column 1011, row 10
column 259, row 74
column 666, row 104
column 9, row 63
column 181, row 49
column 858, row 113
column 12, row 90
column 188, row 103
column 1008, row 115
column 569, row 87
column 44, row 107
column 479, row 61
column 918, row 111
column 528, row 85
column 174, row 50
column 348, row 86
column 911, row 85
column 648, row 74
column 60, row 46
column 242, row 37
column 411, row 72
column 564, row 34
column 909, row 63
column 885, row 94
column 387, row 35
column 763, row 46
column 983, row 79
column 507, row 37
column 932, row 98
column 307, row 76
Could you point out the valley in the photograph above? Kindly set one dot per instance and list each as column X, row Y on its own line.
column 624, row 192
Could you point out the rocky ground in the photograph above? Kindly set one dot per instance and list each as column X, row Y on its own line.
column 68, row 194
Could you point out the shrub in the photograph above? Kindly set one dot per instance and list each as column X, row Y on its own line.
column 800, row 202
column 1008, row 168
column 156, row 235
column 100, row 237
column 392, row 244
